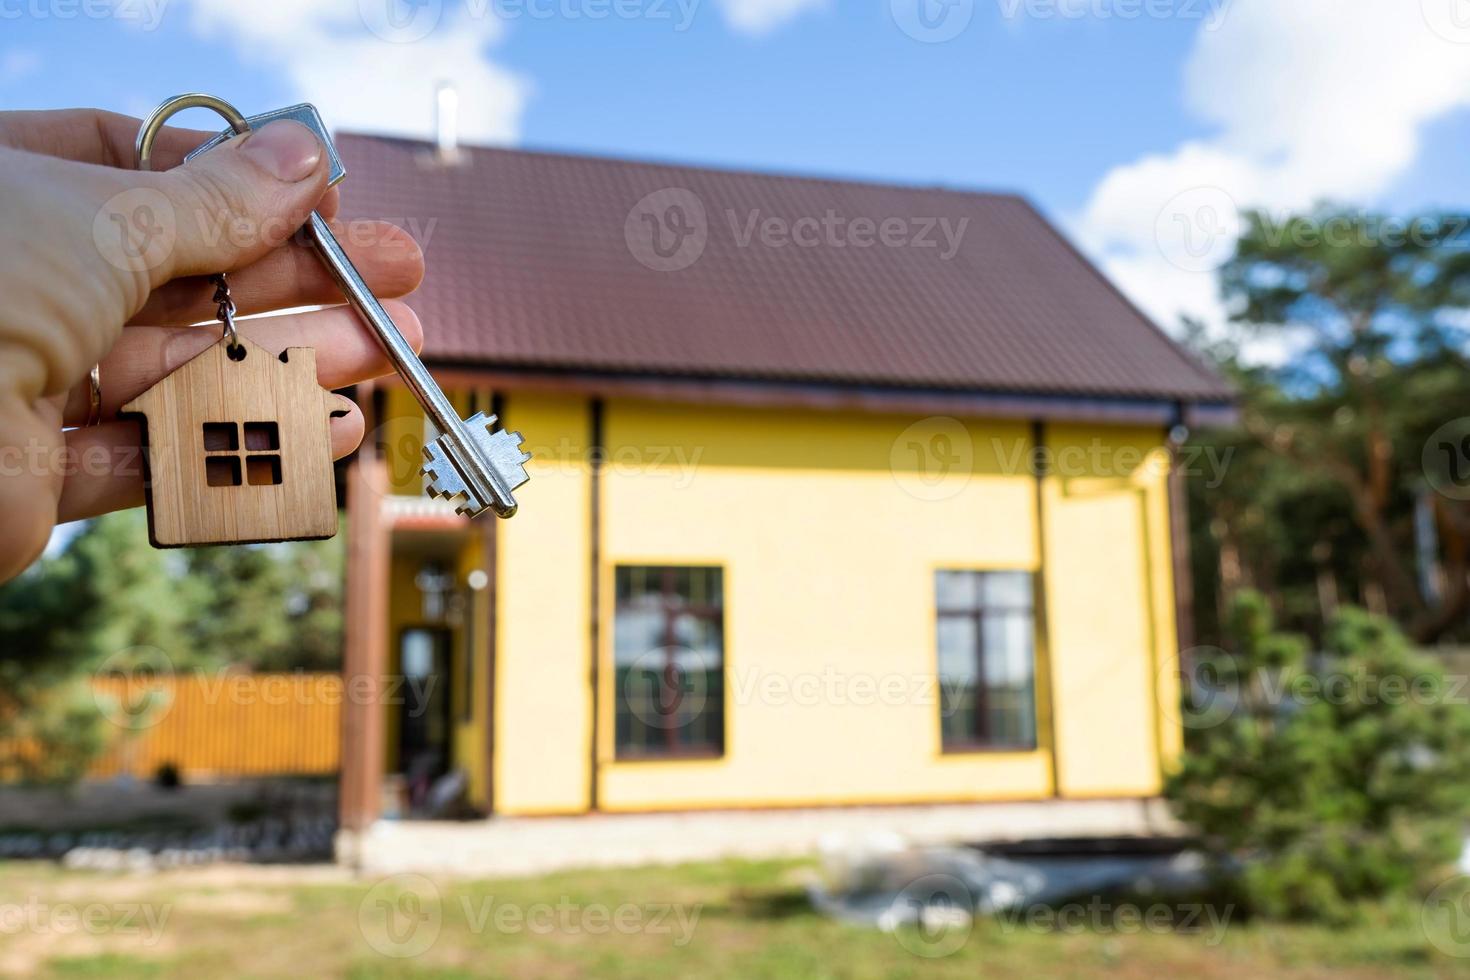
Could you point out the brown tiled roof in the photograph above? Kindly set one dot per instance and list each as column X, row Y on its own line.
column 529, row 267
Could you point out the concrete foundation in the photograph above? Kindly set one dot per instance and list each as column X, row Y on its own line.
column 509, row 846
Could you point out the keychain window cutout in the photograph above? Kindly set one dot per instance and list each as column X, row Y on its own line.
column 263, row 471
column 262, row 436
column 222, row 471
column 222, row 446
column 220, row 437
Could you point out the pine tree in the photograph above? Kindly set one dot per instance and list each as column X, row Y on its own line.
column 1320, row 780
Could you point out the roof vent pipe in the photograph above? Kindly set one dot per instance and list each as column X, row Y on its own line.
column 446, row 122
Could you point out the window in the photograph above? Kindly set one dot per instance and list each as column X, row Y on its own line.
column 987, row 654
column 669, row 654
column 223, row 459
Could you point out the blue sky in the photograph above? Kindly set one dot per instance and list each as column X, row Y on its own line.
column 1107, row 113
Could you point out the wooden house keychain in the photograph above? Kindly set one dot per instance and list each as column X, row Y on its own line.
column 237, row 441
column 238, row 445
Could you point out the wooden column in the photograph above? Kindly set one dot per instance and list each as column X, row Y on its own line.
column 365, row 647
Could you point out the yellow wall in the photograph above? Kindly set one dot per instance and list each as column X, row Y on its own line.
column 829, row 559
column 829, row 528
column 542, row 694
column 1108, row 576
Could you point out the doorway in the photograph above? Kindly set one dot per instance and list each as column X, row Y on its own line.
column 424, row 719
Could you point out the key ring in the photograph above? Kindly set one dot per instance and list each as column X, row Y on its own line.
column 94, row 397
column 153, row 125
column 143, row 151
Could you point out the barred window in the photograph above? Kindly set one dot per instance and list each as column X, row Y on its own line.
column 669, row 654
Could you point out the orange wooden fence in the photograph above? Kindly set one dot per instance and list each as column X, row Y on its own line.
column 222, row 725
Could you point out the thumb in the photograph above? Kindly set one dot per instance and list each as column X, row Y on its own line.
column 225, row 208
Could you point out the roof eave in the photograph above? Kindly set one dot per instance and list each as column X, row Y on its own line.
column 1162, row 409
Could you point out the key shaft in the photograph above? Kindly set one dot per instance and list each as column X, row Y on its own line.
column 468, row 463
column 426, row 390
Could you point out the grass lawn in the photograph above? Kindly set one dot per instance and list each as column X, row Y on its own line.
column 732, row 919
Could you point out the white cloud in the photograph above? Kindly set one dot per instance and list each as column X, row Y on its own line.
column 757, row 17
column 1312, row 99
column 17, row 63
column 373, row 67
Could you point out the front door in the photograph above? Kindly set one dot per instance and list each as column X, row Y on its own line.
column 424, row 719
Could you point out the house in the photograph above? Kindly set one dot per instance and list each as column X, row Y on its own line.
column 843, row 494
column 238, row 448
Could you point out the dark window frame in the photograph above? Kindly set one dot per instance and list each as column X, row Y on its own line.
column 675, row 749
column 981, row 741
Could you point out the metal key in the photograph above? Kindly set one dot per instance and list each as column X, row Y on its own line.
column 470, row 463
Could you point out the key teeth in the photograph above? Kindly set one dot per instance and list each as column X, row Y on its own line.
column 501, row 450
column 441, row 472
column 503, row 446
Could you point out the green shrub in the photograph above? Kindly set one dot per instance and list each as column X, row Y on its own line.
column 1319, row 781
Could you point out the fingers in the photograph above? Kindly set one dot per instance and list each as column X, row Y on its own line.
column 94, row 136
column 108, row 139
column 236, row 203
column 107, row 470
column 30, row 440
column 86, row 244
column 293, row 275
column 346, row 352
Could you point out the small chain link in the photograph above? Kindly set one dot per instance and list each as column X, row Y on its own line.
column 226, row 309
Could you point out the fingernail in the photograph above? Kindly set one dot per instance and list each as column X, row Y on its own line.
column 286, row 149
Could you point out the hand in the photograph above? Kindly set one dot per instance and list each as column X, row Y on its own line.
column 107, row 264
